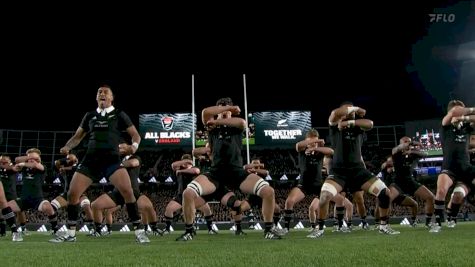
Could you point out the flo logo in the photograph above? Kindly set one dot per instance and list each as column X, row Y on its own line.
column 167, row 123
column 448, row 18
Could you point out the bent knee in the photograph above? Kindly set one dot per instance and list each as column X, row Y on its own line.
column 266, row 192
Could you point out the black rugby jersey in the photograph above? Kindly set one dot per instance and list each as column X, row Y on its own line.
column 311, row 166
column 105, row 131
column 226, row 144
column 455, row 144
column 347, row 146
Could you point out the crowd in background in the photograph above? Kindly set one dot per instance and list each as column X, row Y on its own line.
column 157, row 164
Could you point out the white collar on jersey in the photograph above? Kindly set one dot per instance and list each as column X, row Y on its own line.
column 106, row 110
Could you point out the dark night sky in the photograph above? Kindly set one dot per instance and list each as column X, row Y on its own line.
column 379, row 58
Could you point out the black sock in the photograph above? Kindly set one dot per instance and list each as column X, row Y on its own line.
column 189, row 229
column 98, row 227
column 276, row 218
column 414, row 219
column 73, row 215
column 340, row 213
column 363, row 220
column 428, row 218
column 288, row 218
column 384, row 220
column 268, row 226
column 108, row 227
column 10, row 218
column 134, row 216
column 439, row 207
column 3, row 226
column 153, row 226
column 321, row 224
column 53, row 220
column 209, row 222
column 455, row 211
column 238, row 225
column 313, row 225
column 168, row 222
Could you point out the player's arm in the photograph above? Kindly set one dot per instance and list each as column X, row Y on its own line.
column 458, row 114
column 177, row 164
column 302, row 145
column 324, row 150
column 192, row 170
column 8, row 166
column 418, row 153
column 234, row 122
column 363, row 124
column 340, row 113
column 73, row 141
column 32, row 165
column 134, row 134
column 20, row 159
column 199, row 151
column 209, row 113
column 400, row 148
column 261, row 172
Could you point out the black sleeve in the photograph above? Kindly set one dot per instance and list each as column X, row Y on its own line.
column 125, row 121
column 85, row 122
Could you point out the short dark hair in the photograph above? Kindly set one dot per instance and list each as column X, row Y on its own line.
column 186, row 156
column 225, row 101
column 313, row 133
column 346, row 103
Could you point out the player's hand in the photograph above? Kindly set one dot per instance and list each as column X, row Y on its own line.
column 211, row 124
column 64, row 150
column 361, row 112
column 342, row 125
column 235, row 110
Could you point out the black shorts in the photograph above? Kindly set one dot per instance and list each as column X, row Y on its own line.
column 96, row 166
column 9, row 196
column 225, row 181
column 254, row 201
column 27, row 203
column 310, row 189
column 464, row 174
column 406, row 185
column 178, row 198
column 350, row 179
column 399, row 199
column 119, row 199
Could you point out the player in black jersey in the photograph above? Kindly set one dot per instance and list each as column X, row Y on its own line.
column 33, row 177
column 457, row 125
column 311, row 152
column 226, row 172
column 104, row 127
column 66, row 168
column 251, row 201
column 347, row 167
column 113, row 200
column 405, row 156
column 185, row 173
column 387, row 175
column 8, row 174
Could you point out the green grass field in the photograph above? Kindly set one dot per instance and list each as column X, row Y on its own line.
column 413, row 247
